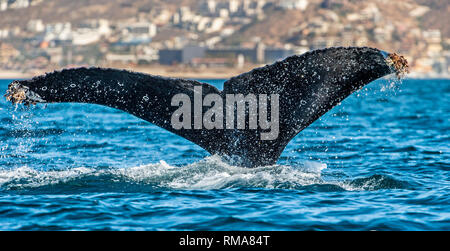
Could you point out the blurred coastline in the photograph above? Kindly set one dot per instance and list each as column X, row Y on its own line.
column 159, row 70
column 187, row 72
column 214, row 39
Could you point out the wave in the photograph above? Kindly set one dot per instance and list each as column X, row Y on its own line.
column 207, row 174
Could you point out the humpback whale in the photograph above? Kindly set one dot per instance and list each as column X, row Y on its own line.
column 307, row 85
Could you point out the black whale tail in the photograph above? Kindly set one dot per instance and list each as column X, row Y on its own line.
column 308, row 86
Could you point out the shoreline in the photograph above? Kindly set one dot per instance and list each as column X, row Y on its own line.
column 13, row 75
column 188, row 73
column 170, row 72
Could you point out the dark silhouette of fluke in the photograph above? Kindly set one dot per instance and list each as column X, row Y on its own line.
column 308, row 86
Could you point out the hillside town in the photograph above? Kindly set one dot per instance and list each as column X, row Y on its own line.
column 215, row 34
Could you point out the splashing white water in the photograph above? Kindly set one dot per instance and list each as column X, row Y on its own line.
column 392, row 84
column 210, row 173
column 25, row 177
column 207, row 174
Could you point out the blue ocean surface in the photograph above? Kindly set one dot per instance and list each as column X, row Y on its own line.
column 378, row 161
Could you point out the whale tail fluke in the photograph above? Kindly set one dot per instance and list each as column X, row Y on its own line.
column 305, row 87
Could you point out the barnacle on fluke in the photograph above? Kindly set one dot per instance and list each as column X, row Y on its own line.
column 399, row 63
column 18, row 93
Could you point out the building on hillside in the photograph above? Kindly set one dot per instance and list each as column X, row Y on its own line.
column 36, row 25
column 180, row 56
column 4, row 33
column 58, row 31
column 294, row 4
column 3, row 5
column 17, row 4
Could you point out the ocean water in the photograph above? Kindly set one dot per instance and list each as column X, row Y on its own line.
column 378, row 161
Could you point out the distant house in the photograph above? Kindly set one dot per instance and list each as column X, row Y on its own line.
column 36, row 25
column 58, row 31
column 211, row 62
column 294, row 4
column 258, row 54
column 170, row 56
column 432, row 36
column 121, row 58
column 180, row 56
column 232, row 52
column 85, row 37
column 19, row 4
column 3, row 5
column 138, row 33
column 90, row 32
column 100, row 26
column 4, row 33
column 142, row 29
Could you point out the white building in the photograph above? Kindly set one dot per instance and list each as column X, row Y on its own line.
column 17, row 4
column 203, row 24
column 432, row 36
column 216, row 25
column 3, row 5
column 211, row 4
column 91, row 31
column 58, row 31
column 233, row 6
column 36, row 25
column 294, row 4
column 143, row 29
column 100, row 26
column 85, row 37
column 419, row 11
column 20, row 4
column 224, row 13
column 4, row 33
column 371, row 12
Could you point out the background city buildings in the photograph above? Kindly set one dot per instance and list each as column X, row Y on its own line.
column 232, row 35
